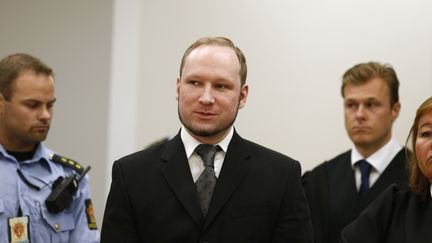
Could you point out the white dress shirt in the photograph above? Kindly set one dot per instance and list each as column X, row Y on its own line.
column 196, row 164
column 378, row 160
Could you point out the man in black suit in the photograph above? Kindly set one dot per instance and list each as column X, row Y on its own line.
column 339, row 189
column 155, row 194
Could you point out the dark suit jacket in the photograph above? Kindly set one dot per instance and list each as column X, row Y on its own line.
column 397, row 216
column 258, row 198
column 333, row 197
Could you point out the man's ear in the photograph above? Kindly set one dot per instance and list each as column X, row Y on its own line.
column 396, row 110
column 243, row 95
column 177, row 88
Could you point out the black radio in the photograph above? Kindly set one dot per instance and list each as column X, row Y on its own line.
column 63, row 191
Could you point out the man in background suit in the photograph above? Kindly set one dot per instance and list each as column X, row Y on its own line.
column 258, row 195
column 338, row 190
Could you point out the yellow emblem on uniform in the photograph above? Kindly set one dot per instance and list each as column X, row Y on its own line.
column 91, row 220
column 19, row 229
column 67, row 162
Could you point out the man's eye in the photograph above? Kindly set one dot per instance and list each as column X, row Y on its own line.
column 193, row 82
column 31, row 105
column 371, row 105
column 350, row 105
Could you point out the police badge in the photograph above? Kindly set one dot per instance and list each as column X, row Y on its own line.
column 19, row 229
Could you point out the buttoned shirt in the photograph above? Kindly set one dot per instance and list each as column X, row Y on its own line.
column 196, row 164
column 71, row 225
column 378, row 160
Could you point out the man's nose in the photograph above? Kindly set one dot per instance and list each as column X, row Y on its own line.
column 45, row 113
column 207, row 96
column 360, row 112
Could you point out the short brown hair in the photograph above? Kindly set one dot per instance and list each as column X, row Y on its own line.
column 12, row 66
column 418, row 182
column 218, row 41
column 363, row 72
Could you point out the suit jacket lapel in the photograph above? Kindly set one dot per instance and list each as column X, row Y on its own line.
column 342, row 184
column 178, row 175
column 235, row 168
column 396, row 172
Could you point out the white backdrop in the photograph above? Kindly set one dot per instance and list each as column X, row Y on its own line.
column 297, row 52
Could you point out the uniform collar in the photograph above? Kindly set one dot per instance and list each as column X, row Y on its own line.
column 42, row 154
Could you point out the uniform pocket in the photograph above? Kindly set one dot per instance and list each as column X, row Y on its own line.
column 59, row 222
column 62, row 224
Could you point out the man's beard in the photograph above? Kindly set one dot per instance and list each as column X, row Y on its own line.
column 206, row 133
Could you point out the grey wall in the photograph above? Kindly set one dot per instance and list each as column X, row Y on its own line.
column 297, row 52
column 74, row 38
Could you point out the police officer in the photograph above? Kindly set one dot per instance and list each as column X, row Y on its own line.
column 30, row 172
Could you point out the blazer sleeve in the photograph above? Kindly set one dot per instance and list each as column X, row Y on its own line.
column 294, row 223
column 118, row 222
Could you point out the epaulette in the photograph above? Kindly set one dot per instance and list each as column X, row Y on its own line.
column 67, row 162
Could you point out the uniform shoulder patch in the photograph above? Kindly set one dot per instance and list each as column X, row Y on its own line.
column 91, row 220
column 67, row 162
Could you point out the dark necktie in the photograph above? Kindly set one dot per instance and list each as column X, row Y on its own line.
column 365, row 169
column 207, row 180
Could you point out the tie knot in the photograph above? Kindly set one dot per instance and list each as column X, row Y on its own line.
column 365, row 167
column 207, row 153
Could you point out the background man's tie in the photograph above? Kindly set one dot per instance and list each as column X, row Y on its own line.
column 207, row 180
column 365, row 169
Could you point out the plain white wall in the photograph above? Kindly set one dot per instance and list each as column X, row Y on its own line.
column 297, row 52
column 124, row 82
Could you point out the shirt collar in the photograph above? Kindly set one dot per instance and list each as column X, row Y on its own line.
column 190, row 143
column 5, row 154
column 41, row 154
column 381, row 158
